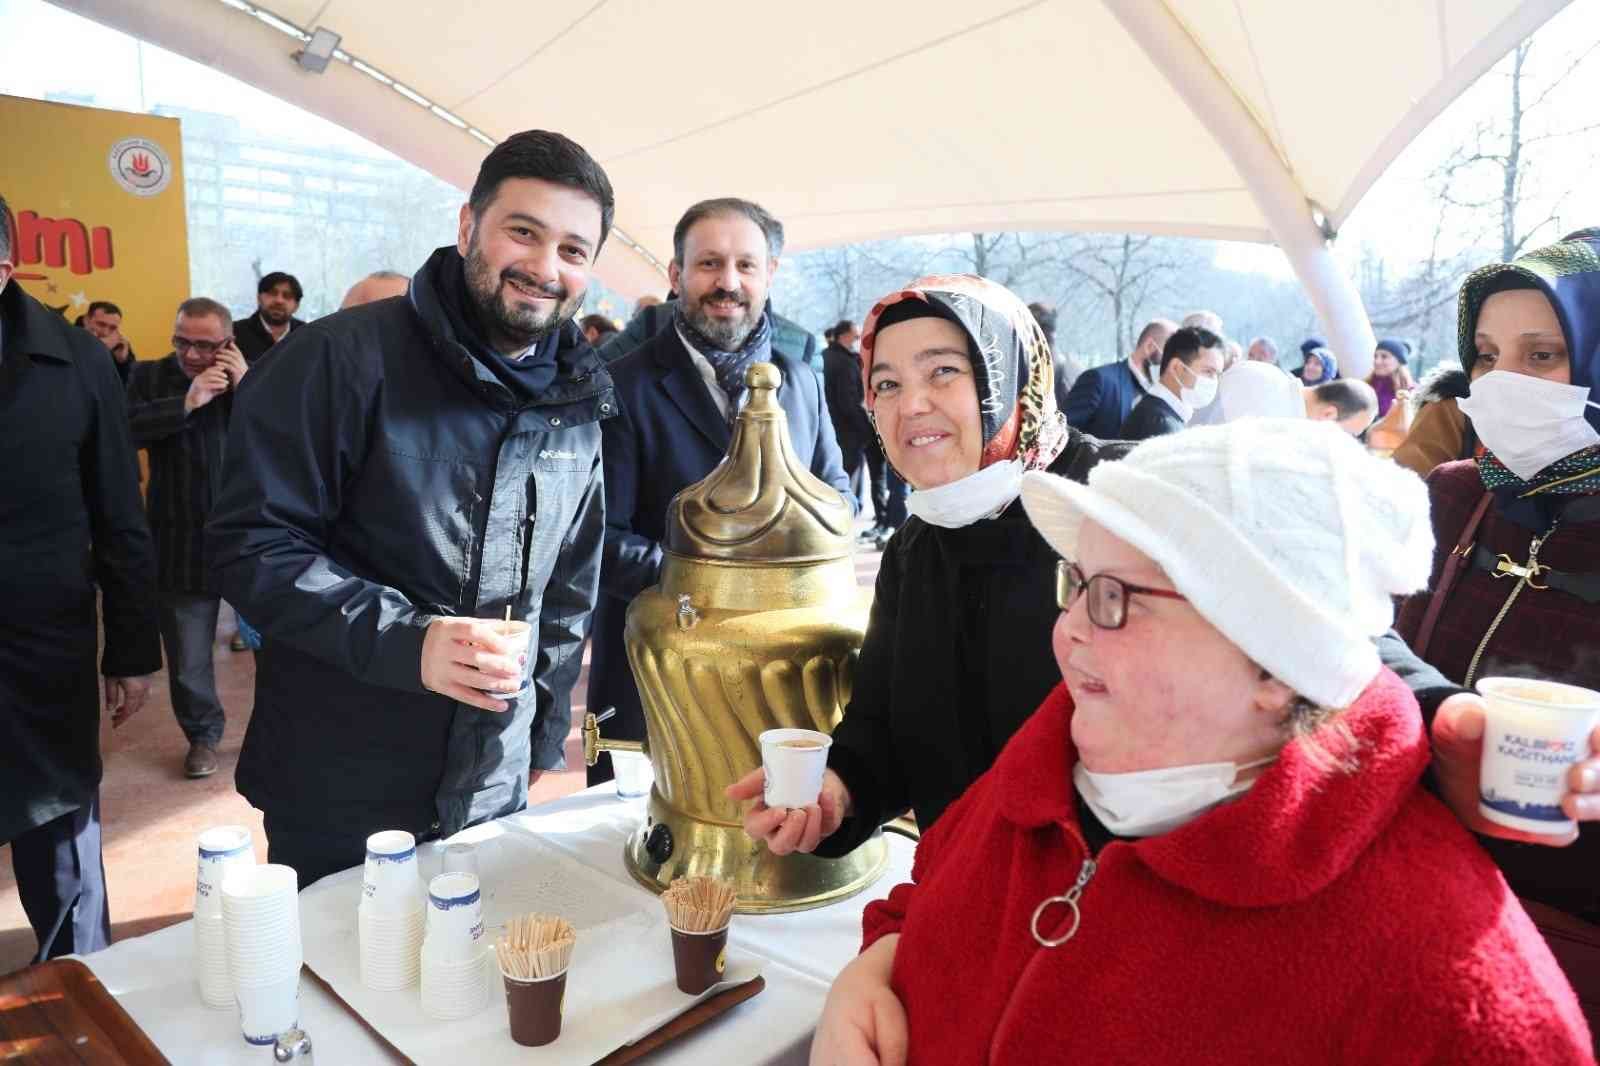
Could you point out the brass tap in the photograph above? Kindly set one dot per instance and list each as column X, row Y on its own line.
column 594, row 743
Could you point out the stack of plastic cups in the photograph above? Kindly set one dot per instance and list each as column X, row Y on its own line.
column 261, row 921
column 221, row 849
column 455, row 953
column 391, row 912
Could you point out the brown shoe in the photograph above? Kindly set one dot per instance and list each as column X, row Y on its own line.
column 201, row 761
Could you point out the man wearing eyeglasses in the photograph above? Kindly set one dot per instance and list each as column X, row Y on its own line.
column 178, row 410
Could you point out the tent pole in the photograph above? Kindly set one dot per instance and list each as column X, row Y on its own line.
column 1191, row 73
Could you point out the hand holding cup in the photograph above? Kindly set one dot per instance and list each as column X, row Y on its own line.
column 789, row 829
column 1458, row 749
column 472, row 659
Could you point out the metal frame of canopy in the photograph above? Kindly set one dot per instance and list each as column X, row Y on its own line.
column 228, row 37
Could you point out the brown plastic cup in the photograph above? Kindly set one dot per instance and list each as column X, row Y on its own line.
column 535, row 1008
column 699, row 958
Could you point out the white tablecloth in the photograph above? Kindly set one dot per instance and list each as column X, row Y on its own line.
column 152, row 976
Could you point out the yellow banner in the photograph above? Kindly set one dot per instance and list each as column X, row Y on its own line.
column 97, row 209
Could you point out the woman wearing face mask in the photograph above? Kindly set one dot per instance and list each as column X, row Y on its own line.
column 957, row 650
column 1516, row 576
column 1319, row 367
column 1211, row 844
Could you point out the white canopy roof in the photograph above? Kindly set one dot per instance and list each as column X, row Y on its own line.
column 1243, row 119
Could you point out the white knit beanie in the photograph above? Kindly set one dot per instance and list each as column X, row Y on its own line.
column 1284, row 534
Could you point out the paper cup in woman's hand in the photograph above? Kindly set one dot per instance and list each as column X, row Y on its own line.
column 794, row 760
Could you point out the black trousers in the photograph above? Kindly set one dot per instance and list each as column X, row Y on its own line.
column 888, row 491
column 61, row 879
column 317, row 851
column 188, row 630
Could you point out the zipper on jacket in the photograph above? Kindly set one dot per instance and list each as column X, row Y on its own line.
column 1069, row 899
column 1526, row 578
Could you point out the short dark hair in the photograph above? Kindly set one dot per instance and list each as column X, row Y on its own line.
column 199, row 306
column 1045, row 315
column 1186, row 343
column 271, row 281
column 844, row 325
column 1350, row 397
column 102, row 305
column 5, row 229
column 770, row 227
column 599, row 322
column 545, row 156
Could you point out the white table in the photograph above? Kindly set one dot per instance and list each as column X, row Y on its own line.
column 152, row 976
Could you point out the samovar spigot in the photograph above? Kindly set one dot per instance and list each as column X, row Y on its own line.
column 594, row 743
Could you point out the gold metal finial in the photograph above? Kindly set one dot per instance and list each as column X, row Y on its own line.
column 761, row 502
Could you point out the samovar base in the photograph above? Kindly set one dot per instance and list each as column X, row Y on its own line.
column 671, row 844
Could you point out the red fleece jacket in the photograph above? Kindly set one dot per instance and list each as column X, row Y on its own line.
column 1322, row 917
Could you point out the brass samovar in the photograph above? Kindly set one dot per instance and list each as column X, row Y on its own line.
column 755, row 625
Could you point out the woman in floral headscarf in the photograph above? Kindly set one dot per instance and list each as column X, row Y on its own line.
column 957, row 651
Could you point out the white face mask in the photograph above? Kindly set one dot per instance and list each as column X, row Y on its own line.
column 1201, row 393
column 1146, row 803
column 966, row 500
column 1528, row 422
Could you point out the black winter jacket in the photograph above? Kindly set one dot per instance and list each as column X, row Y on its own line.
column 378, row 476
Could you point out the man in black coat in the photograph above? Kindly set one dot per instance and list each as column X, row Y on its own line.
column 401, row 477
column 842, row 384
column 70, row 522
column 677, row 397
column 278, row 297
column 178, row 410
column 1102, row 397
column 1191, row 366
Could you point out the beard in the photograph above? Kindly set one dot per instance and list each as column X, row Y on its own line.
column 728, row 334
column 500, row 310
column 273, row 316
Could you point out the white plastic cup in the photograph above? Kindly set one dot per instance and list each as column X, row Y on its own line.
column 391, row 950
column 455, row 917
column 1534, row 731
column 461, row 859
column 261, row 925
column 211, row 962
column 524, row 631
column 267, row 1011
column 455, row 988
column 390, row 880
column 795, row 760
column 633, row 773
column 219, row 849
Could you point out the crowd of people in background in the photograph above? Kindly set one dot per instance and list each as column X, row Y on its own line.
column 1096, row 648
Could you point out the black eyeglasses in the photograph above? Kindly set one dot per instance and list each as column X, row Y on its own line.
column 183, row 344
column 1108, row 596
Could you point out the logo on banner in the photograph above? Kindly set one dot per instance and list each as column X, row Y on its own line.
column 140, row 166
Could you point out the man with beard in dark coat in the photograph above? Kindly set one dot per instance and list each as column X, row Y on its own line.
column 278, row 297
column 677, row 397
column 70, row 520
column 400, row 478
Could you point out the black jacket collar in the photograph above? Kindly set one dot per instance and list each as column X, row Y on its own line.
column 28, row 327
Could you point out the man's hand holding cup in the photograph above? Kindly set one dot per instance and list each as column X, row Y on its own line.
column 471, row 660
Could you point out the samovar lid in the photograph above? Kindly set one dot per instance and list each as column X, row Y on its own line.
column 761, row 504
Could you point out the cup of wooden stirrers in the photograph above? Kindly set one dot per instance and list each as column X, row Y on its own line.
column 698, row 910
column 534, row 954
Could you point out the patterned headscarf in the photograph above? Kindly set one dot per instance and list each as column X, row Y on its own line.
column 1012, row 368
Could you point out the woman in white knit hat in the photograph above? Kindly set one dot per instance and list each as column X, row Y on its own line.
column 1211, row 843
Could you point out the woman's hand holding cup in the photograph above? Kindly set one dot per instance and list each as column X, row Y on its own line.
column 789, row 829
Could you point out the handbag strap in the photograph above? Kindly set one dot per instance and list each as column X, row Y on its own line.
column 1447, row 579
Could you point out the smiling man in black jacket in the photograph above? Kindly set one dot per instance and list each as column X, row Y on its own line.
column 399, row 476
